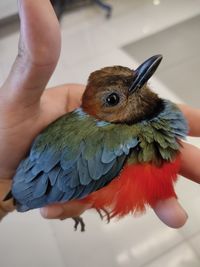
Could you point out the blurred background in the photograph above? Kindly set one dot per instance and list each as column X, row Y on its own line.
column 95, row 35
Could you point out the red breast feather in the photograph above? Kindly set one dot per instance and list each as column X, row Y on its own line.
column 136, row 187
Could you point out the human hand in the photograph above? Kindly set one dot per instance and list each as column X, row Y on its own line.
column 25, row 110
column 170, row 211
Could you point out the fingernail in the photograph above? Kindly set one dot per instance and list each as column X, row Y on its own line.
column 52, row 212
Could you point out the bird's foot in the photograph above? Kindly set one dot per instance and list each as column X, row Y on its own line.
column 106, row 214
column 77, row 221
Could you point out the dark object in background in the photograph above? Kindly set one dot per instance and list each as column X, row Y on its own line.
column 60, row 6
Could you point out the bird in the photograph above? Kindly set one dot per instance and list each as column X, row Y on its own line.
column 119, row 151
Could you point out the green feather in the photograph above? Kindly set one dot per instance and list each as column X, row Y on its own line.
column 156, row 139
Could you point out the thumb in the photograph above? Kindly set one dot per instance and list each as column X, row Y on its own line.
column 171, row 212
column 39, row 49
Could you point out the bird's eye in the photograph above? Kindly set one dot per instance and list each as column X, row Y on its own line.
column 112, row 99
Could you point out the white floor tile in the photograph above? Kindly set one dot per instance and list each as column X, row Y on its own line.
column 28, row 240
column 195, row 243
column 131, row 241
column 147, row 18
column 181, row 256
column 189, row 197
column 79, row 73
column 8, row 52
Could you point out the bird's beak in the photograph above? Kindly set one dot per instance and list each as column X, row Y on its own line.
column 144, row 72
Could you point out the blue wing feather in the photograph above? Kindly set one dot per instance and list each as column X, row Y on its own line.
column 50, row 175
column 84, row 174
column 108, row 155
column 28, row 164
column 54, row 195
column 95, row 165
column 41, row 186
column 53, row 174
column 69, row 158
column 51, row 161
column 30, row 176
column 63, row 184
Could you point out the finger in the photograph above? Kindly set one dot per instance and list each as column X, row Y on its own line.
column 39, row 49
column 64, row 210
column 171, row 213
column 59, row 100
column 190, row 158
column 193, row 118
column 75, row 93
column 63, row 98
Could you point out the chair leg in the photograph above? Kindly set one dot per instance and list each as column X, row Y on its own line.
column 59, row 7
column 106, row 7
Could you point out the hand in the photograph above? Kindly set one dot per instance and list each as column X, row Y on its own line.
column 170, row 211
column 25, row 110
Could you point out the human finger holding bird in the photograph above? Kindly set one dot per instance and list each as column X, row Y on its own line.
column 22, row 111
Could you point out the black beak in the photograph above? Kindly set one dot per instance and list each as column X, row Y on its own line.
column 144, row 72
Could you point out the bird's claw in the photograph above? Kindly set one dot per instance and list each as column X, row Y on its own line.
column 106, row 214
column 77, row 221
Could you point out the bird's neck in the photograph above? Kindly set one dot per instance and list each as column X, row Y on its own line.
column 83, row 115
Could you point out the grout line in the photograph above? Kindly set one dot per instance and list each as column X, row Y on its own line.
column 53, row 230
column 9, row 25
column 184, row 241
column 179, row 63
column 164, row 28
column 163, row 253
column 193, row 249
column 188, row 239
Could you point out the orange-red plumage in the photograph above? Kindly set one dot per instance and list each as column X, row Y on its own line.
column 136, row 186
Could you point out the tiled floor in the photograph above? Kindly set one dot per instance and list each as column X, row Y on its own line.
column 90, row 42
column 179, row 45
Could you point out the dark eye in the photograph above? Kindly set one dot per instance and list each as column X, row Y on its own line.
column 112, row 99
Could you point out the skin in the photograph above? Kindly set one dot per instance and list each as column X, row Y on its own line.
column 25, row 109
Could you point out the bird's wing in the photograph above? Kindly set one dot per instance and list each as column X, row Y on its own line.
column 58, row 170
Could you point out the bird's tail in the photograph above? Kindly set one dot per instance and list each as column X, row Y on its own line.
column 8, row 196
column 7, row 204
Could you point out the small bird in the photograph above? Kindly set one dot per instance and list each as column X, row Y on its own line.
column 119, row 152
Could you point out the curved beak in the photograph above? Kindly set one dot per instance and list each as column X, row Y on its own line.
column 144, row 72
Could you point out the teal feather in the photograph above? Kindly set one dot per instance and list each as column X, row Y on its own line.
column 54, row 195
column 28, row 164
column 83, row 170
column 53, row 175
column 41, row 186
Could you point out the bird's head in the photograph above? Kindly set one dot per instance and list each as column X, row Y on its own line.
column 119, row 94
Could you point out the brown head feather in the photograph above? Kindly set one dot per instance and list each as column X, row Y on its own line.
column 131, row 108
